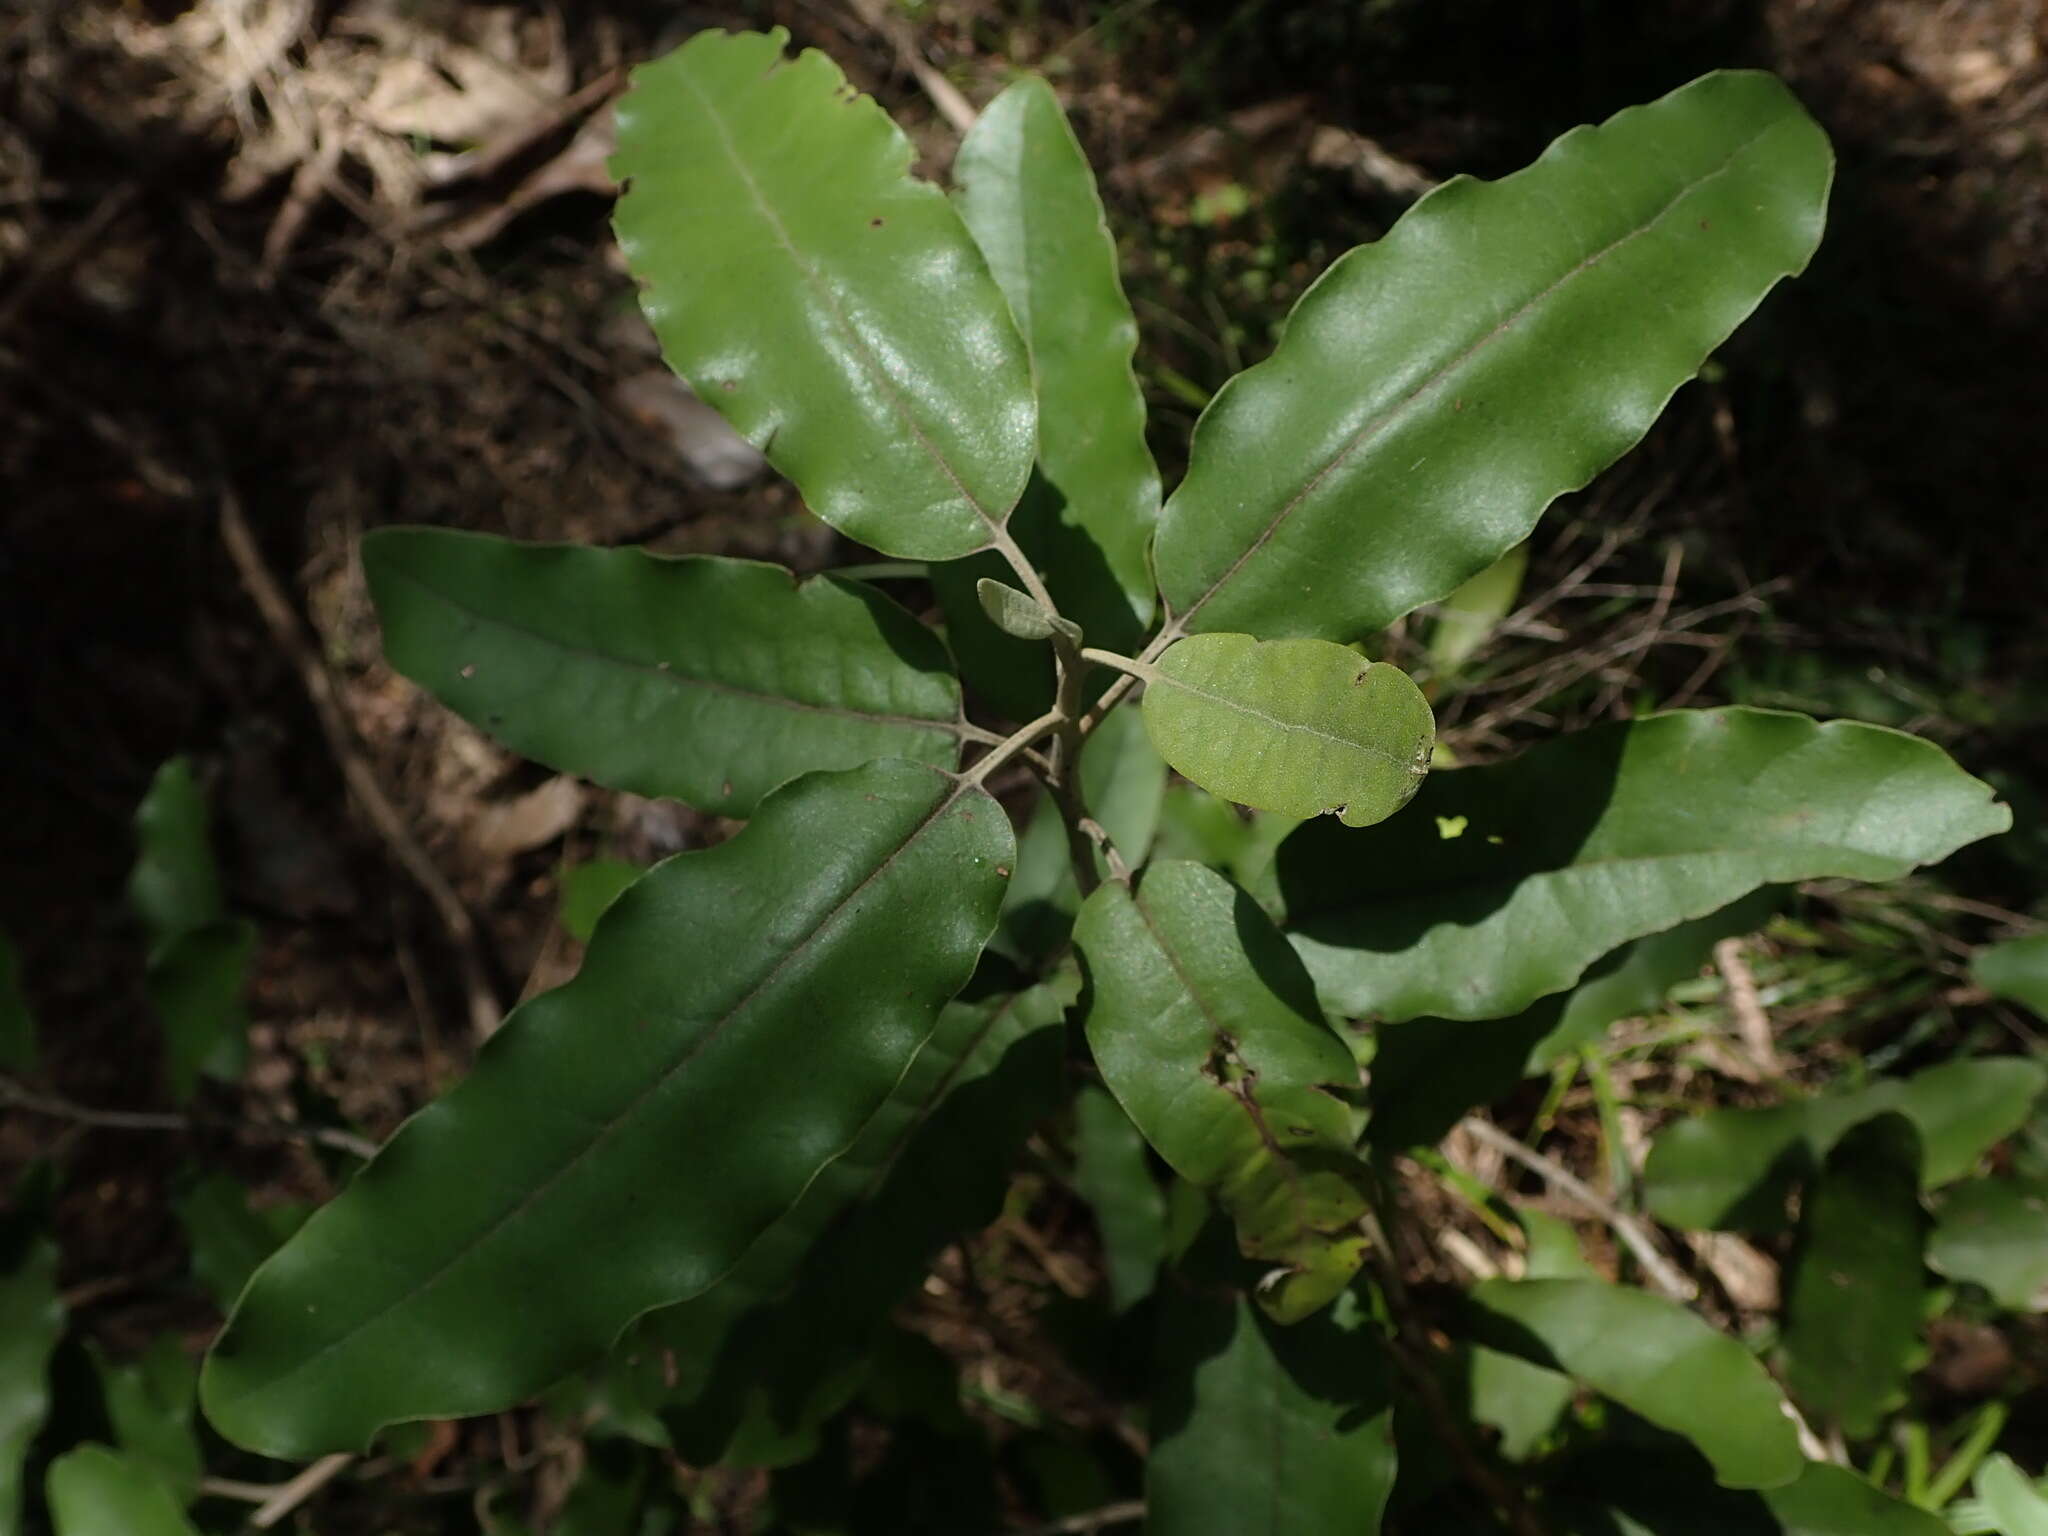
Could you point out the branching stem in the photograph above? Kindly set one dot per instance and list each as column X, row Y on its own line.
column 1015, row 743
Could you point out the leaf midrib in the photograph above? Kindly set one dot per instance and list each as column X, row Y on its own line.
column 1286, row 726
column 884, row 385
column 1372, row 428
column 933, row 724
column 692, row 1050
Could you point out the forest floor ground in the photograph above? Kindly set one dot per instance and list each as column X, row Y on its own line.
column 312, row 268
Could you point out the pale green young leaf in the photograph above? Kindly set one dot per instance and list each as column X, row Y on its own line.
column 1732, row 1168
column 1466, row 617
column 1029, row 198
column 1506, row 342
column 1853, row 1305
column 1301, row 727
column 702, row 678
column 1654, row 1358
column 1206, row 1029
column 2018, row 969
column 2015, row 1503
column 31, row 1321
column 1993, row 1232
column 1588, row 841
column 588, row 891
column 97, row 1491
column 648, row 1112
column 828, row 303
column 1021, row 616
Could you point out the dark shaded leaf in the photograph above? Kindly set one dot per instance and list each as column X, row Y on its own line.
column 665, row 1109
column 706, row 679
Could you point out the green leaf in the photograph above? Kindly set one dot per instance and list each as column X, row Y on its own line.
column 1519, row 1401
column 1123, row 785
column 149, row 1407
column 1427, row 1074
column 227, row 1238
column 1591, row 840
column 1295, row 726
column 706, row 679
column 1633, row 1490
column 31, row 1322
column 96, row 1491
column 1506, row 342
column 17, row 1025
column 175, row 886
column 2017, row 969
column 1206, row 1030
column 1853, row 1307
column 1194, row 824
column 195, row 983
column 1021, row 616
column 1261, row 1430
column 1029, row 199
column 1732, row 1168
column 647, row 1112
column 1654, row 1358
column 588, row 891
column 1112, row 1173
column 1468, row 615
column 2014, row 1503
column 1993, row 1232
column 782, row 1341
column 829, row 304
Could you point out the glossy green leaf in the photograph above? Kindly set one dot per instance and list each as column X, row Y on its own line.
column 1853, row 1306
column 1654, row 1358
column 31, row 1321
column 782, row 1341
column 588, row 891
column 1507, row 341
column 17, row 1025
column 97, row 1491
column 663, row 1110
column 1260, row 1430
column 1993, row 1232
column 1020, row 616
column 227, row 1238
column 196, row 983
column 2015, row 1503
column 1732, row 1168
column 1029, row 199
column 1588, row 841
column 706, row 679
column 1428, row 1074
column 149, row 1405
column 829, row 304
column 2018, row 969
column 175, row 886
column 1206, row 1030
column 1468, row 615
column 1295, row 726
column 1113, row 1174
